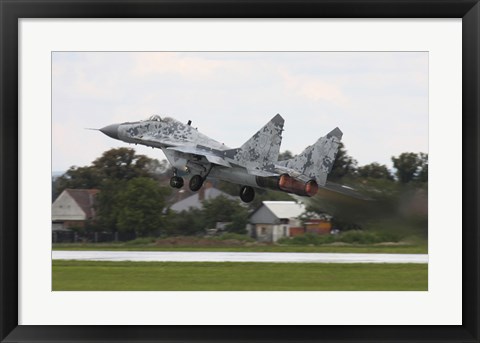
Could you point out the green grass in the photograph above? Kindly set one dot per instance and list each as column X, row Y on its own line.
column 348, row 248
column 234, row 276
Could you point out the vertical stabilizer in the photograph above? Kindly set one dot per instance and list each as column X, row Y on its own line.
column 316, row 161
column 262, row 149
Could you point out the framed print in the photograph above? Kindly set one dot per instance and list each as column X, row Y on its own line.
column 48, row 46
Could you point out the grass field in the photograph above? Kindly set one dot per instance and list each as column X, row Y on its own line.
column 348, row 248
column 228, row 276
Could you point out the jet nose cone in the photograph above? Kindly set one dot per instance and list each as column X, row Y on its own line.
column 111, row 130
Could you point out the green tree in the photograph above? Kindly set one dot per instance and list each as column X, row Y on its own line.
column 422, row 173
column 140, row 206
column 123, row 164
column 107, row 205
column 185, row 223
column 239, row 221
column 343, row 166
column 77, row 178
column 222, row 209
column 115, row 164
column 411, row 167
column 286, row 155
column 375, row 170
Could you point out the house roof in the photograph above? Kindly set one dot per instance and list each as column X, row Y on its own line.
column 195, row 200
column 284, row 209
column 84, row 198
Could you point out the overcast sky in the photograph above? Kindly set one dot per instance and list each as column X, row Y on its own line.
column 378, row 99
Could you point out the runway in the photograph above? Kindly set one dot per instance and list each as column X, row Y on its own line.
column 279, row 257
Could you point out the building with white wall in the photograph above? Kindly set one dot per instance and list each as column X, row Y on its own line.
column 273, row 220
column 73, row 208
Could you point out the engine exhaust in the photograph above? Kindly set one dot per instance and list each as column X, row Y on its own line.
column 288, row 184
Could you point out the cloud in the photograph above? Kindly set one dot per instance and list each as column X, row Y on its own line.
column 313, row 88
column 170, row 62
column 375, row 98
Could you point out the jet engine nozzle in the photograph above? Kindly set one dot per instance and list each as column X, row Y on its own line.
column 288, row 184
column 292, row 185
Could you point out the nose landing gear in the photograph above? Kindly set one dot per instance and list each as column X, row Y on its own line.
column 247, row 193
column 176, row 182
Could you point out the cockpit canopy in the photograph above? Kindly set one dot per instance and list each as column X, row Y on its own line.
column 155, row 117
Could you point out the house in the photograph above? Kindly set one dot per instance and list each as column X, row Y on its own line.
column 207, row 192
column 73, row 208
column 273, row 220
column 320, row 224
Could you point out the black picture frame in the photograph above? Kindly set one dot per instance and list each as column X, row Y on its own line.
column 12, row 10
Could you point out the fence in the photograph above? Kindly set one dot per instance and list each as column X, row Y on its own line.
column 91, row 237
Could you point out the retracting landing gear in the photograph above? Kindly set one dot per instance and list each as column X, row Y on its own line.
column 247, row 193
column 196, row 183
column 176, row 181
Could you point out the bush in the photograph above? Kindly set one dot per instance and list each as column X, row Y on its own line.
column 363, row 237
column 351, row 237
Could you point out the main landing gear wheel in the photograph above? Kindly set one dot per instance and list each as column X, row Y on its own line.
column 176, row 182
column 247, row 193
column 196, row 183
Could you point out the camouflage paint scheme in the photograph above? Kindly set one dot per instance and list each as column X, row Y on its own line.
column 316, row 161
column 253, row 164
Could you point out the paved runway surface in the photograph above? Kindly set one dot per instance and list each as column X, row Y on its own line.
column 174, row 256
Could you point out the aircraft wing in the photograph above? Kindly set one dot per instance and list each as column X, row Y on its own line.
column 212, row 158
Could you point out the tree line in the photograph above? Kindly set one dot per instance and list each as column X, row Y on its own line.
column 409, row 167
column 134, row 197
column 134, row 194
column 398, row 198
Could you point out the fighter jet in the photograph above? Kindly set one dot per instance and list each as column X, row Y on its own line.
column 253, row 165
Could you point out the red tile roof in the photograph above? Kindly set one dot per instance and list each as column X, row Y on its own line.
column 85, row 199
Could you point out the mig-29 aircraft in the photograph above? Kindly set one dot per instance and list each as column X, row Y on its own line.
column 253, row 165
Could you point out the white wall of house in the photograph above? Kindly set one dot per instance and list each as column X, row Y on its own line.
column 273, row 220
column 280, row 231
column 65, row 208
column 271, row 232
column 264, row 232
